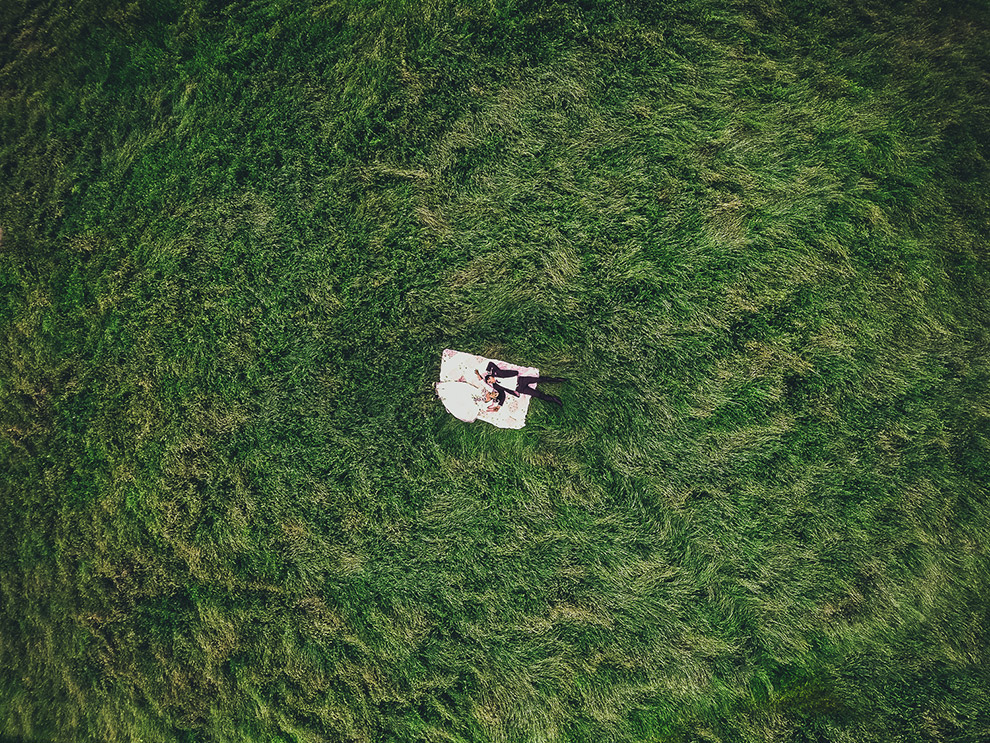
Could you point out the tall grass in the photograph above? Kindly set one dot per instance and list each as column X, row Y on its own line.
column 235, row 239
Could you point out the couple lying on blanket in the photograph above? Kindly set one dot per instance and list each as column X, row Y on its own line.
column 512, row 384
column 500, row 397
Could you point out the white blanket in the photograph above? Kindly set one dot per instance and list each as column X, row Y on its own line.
column 460, row 390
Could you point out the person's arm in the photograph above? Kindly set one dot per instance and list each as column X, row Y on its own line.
column 502, row 390
column 496, row 372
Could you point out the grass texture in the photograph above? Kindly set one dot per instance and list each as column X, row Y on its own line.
column 236, row 237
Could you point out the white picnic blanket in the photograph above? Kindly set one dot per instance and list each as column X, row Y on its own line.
column 460, row 390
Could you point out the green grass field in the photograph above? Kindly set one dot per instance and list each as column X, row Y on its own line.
column 236, row 238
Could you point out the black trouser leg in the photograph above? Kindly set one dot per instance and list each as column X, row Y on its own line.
column 523, row 388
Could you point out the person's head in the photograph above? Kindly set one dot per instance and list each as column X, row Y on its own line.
column 490, row 395
column 490, row 379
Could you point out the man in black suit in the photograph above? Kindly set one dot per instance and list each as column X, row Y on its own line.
column 522, row 384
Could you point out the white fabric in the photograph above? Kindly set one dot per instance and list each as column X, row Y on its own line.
column 508, row 383
column 463, row 401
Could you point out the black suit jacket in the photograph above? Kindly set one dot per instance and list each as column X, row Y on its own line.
column 494, row 371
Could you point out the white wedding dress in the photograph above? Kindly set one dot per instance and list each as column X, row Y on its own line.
column 461, row 399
